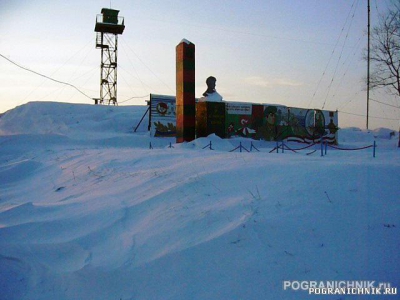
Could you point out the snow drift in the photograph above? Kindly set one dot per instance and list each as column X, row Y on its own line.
column 88, row 211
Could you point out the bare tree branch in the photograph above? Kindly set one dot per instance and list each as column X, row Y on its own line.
column 385, row 51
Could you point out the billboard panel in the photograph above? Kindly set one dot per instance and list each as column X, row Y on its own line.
column 311, row 125
column 162, row 115
column 258, row 121
column 271, row 124
column 331, row 126
column 239, row 119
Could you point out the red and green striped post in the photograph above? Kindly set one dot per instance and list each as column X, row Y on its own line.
column 185, row 92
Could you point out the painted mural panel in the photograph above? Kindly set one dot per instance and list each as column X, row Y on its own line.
column 258, row 121
column 239, row 120
column 162, row 116
column 298, row 124
column 310, row 125
column 271, row 124
column 331, row 126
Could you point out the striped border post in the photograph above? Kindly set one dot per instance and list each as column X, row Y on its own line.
column 185, row 92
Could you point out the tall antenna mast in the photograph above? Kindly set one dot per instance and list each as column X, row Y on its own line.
column 368, row 59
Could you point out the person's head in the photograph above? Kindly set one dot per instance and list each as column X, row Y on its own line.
column 211, row 82
column 270, row 114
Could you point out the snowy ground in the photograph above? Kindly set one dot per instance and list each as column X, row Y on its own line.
column 88, row 211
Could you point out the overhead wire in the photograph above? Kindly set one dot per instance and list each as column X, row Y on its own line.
column 84, row 74
column 127, row 84
column 53, row 91
column 33, row 90
column 332, row 54
column 380, row 102
column 374, row 100
column 144, row 85
column 80, row 64
column 136, row 97
column 348, row 59
column 63, row 82
column 148, row 67
column 361, row 115
column 45, row 76
column 86, row 81
column 348, row 102
column 349, row 63
column 341, row 53
column 133, row 66
column 376, row 6
column 242, row 32
column 381, row 105
column 388, row 95
column 88, row 78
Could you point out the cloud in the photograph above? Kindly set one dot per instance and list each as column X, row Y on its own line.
column 263, row 82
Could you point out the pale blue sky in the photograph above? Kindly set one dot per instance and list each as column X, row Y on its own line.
column 304, row 53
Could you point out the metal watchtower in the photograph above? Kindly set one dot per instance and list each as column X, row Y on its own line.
column 108, row 26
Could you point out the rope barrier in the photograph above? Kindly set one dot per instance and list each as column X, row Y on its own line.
column 301, row 148
column 283, row 146
column 351, row 149
column 293, row 150
column 309, row 153
column 287, row 148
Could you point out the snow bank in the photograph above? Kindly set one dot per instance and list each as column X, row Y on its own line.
column 83, row 217
column 356, row 135
column 72, row 120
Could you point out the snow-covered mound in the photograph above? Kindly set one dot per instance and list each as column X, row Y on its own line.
column 356, row 135
column 89, row 211
column 72, row 120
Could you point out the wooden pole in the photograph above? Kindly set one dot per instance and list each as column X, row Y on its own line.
column 368, row 59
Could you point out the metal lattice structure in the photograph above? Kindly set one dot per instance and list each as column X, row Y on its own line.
column 108, row 26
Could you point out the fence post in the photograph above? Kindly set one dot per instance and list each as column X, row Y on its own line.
column 283, row 147
column 373, row 154
column 277, row 147
column 322, row 148
column 208, row 146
